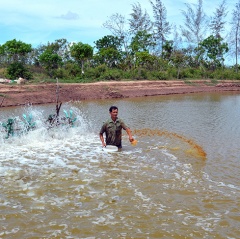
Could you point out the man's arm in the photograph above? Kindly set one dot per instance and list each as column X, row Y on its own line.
column 102, row 140
column 129, row 134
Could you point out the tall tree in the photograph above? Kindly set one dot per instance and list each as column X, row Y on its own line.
column 140, row 20
column 177, row 39
column 217, row 22
column 15, row 51
column 38, row 51
column 195, row 22
column 212, row 50
column 167, row 50
column 142, row 41
column 108, row 41
column 109, row 50
column 116, row 24
column 81, row 52
column 235, row 32
column 61, row 47
column 50, row 61
column 162, row 27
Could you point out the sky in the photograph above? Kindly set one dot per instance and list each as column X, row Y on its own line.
column 41, row 21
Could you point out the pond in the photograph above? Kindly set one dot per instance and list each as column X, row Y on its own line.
column 180, row 181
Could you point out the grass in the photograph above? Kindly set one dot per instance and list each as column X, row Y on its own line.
column 189, row 82
column 212, row 82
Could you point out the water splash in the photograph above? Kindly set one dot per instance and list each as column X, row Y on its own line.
column 32, row 119
column 194, row 150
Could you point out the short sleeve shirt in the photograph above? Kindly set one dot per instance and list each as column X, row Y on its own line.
column 113, row 131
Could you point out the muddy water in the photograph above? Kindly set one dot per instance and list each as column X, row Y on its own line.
column 180, row 181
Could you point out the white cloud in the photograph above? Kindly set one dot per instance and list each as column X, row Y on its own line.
column 70, row 16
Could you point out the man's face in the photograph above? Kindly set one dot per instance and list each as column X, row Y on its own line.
column 114, row 114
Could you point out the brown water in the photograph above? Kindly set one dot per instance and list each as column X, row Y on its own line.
column 180, row 181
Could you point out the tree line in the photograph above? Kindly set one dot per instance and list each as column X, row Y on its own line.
column 137, row 48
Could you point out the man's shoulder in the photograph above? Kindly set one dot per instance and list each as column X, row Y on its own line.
column 120, row 120
column 106, row 122
column 109, row 121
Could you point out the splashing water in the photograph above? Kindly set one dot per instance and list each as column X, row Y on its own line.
column 195, row 149
column 58, row 183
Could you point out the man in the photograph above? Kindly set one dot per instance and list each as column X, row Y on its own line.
column 113, row 130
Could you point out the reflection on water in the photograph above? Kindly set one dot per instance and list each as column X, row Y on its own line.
column 180, row 181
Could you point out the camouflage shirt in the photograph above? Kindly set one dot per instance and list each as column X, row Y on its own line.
column 113, row 131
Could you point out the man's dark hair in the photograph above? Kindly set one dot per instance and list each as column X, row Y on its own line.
column 113, row 108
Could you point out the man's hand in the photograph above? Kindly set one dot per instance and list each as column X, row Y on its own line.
column 131, row 139
column 104, row 144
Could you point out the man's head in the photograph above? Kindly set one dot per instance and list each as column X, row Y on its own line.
column 113, row 110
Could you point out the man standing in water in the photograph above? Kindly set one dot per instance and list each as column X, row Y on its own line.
column 113, row 130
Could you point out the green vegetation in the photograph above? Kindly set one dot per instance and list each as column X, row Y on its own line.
column 139, row 48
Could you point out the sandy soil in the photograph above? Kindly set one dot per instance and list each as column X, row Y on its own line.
column 16, row 95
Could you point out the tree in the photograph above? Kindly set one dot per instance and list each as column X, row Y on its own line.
column 167, row 50
column 140, row 20
column 81, row 52
column 144, row 59
column 235, row 32
column 217, row 21
column 212, row 49
column 177, row 39
column 162, row 27
column 108, row 41
column 50, row 61
column 179, row 60
column 195, row 23
column 15, row 51
column 117, row 25
column 109, row 50
column 61, row 47
column 36, row 53
column 142, row 41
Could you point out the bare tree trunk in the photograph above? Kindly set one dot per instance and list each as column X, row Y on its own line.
column 236, row 38
column 235, row 31
column 82, row 65
column 178, row 72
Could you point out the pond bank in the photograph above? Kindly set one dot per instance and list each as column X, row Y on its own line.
column 17, row 95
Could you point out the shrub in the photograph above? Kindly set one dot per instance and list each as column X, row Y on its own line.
column 226, row 74
column 72, row 69
column 159, row 75
column 112, row 74
column 139, row 74
column 2, row 72
column 91, row 73
column 16, row 70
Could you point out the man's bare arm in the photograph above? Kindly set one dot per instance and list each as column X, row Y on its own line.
column 129, row 134
column 102, row 140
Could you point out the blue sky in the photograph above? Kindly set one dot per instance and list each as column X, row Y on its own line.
column 39, row 22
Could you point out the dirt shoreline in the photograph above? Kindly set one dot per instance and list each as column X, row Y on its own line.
column 17, row 95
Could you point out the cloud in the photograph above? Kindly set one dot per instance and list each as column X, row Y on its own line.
column 69, row 16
